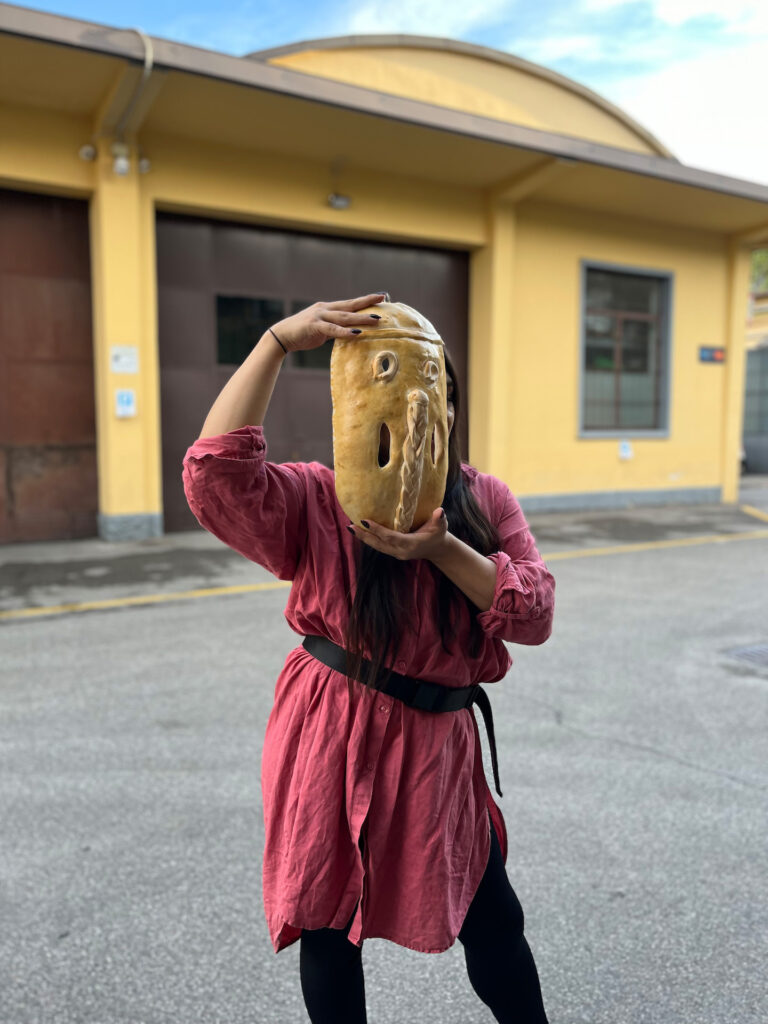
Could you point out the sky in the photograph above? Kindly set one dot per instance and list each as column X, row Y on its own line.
column 693, row 72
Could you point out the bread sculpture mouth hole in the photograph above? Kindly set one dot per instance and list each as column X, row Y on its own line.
column 384, row 446
column 432, row 445
column 437, row 444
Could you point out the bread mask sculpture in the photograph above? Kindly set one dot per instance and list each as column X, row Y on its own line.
column 389, row 406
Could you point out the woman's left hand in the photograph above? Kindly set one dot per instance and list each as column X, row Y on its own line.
column 426, row 542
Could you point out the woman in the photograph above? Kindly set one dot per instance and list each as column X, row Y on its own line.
column 378, row 818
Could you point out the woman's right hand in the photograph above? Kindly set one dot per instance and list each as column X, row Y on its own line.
column 313, row 326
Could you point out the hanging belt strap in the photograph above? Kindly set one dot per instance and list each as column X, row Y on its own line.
column 416, row 693
column 481, row 699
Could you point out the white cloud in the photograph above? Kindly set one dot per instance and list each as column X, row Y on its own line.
column 595, row 49
column 704, row 97
column 709, row 110
column 677, row 12
column 445, row 18
column 747, row 15
column 548, row 49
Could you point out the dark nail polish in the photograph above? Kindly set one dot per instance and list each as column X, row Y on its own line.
column 356, row 330
column 375, row 316
column 442, row 513
column 365, row 524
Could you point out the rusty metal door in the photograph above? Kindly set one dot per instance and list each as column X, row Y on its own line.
column 221, row 285
column 48, row 482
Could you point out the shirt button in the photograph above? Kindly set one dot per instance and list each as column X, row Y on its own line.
column 384, row 708
column 400, row 665
column 369, row 766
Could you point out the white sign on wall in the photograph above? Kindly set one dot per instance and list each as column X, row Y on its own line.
column 125, row 403
column 124, row 359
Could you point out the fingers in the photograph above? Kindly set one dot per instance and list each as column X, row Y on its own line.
column 366, row 538
column 337, row 323
column 374, row 531
column 335, row 331
column 381, row 533
column 436, row 524
column 389, row 542
column 359, row 303
column 421, row 543
column 337, row 316
column 341, row 319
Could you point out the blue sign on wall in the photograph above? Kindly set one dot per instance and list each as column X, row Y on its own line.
column 125, row 403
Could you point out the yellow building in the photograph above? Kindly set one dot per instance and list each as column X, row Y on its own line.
column 160, row 204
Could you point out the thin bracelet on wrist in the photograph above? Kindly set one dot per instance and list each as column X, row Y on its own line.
column 282, row 346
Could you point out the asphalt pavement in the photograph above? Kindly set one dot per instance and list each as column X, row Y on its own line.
column 136, row 684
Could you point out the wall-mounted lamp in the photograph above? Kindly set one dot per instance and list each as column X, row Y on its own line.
column 121, row 163
column 121, row 158
column 339, row 201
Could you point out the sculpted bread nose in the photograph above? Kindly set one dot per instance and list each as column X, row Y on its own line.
column 417, row 419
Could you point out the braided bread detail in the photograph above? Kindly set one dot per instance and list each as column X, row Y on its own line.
column 413, row 460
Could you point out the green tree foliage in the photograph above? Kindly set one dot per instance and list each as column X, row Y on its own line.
column 760, row 270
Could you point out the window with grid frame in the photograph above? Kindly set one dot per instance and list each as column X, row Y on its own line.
column 756, row 397
column 624, row 365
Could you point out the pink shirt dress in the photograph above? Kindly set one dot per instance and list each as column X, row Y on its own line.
column 341, row 760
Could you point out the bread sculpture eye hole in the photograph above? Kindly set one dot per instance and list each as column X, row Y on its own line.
column 385, row 366
column 431, row 372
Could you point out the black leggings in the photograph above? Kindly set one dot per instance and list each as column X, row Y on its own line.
column 499, row 961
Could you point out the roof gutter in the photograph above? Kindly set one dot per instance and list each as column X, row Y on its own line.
column 123, row 43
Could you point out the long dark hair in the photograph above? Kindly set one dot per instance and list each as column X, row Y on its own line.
column 381, row 608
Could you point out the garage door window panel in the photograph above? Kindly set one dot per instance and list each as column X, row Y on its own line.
column 240, row 322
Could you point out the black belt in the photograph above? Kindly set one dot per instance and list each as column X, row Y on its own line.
column 416, row 693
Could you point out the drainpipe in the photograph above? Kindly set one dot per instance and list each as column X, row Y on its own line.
column 119, row 149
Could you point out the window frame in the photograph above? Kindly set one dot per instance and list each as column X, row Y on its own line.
column 230, row 293
column 665, row 338
column 759, row 355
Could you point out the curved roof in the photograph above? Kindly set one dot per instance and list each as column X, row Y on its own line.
column 465, row 76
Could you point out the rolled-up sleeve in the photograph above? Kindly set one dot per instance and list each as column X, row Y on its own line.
column 524, row 597
column 256, row 507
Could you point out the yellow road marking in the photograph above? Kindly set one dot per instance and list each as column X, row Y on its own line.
column 651, row 545
column 246, row 588
column 758, row 513
column 139, row 599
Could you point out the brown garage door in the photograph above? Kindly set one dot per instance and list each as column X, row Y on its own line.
column 48, row 484
column 220, row 286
